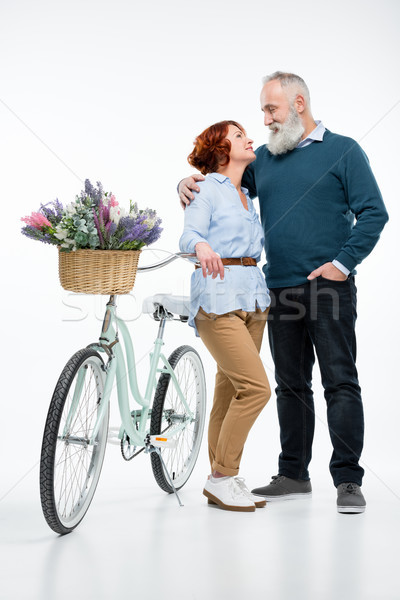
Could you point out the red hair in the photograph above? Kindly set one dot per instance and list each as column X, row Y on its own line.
column 211, row 148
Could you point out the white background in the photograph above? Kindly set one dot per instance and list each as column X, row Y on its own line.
column 116, row 92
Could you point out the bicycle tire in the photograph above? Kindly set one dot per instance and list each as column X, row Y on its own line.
column 70, row 468
column 167, row 408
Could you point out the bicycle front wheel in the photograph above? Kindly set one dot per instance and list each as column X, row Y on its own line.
column 70, row 463
column 169, row 410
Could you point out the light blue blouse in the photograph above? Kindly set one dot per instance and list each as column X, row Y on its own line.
column 217, row 216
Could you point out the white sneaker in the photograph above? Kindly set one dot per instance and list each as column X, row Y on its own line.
column 228, row 494
column 259, row 503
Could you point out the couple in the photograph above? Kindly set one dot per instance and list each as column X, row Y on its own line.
column 311, row 183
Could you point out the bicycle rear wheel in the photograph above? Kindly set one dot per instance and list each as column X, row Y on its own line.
column 70, row 466
column 168, row 410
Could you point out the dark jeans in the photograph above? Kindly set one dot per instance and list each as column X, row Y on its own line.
column 318, row 315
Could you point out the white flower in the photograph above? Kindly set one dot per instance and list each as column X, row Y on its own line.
column 68, row 243
column 134, row 211
column 61, row 234
column 116, row 214
column 150, row 222
column 70, row 209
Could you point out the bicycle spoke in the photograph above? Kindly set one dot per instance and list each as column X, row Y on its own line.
column 73, row 465
column 180, row 460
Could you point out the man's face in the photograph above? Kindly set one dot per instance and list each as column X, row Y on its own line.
column 281, row 117
column 274, row 104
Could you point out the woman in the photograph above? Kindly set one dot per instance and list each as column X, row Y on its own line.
column 229, row 305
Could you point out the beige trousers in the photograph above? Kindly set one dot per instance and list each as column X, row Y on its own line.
column 241, row 384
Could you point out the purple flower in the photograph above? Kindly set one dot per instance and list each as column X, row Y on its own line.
column 110, row 229
column 154, row 234
column 94, row 194
column 53, row 211
column 106, row 213
column 132, row 231
column 35, row 234
column 138, row 232
column 97, row 224
column 96, row 218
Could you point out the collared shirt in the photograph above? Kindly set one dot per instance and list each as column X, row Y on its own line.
column 219, row 218
column 317, row 135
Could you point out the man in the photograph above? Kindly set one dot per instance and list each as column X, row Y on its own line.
column 311, row 183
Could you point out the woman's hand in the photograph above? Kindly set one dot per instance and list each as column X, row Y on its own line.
column 210, row 261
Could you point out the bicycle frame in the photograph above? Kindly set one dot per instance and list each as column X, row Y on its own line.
column 167, row 421
column 133, row 422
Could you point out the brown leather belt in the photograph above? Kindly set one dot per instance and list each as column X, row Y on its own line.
column 245, row 261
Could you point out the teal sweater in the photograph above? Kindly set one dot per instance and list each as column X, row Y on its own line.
column 308, row 200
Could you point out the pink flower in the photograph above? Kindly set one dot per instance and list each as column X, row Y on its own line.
column 37, row 220
column 112, row 201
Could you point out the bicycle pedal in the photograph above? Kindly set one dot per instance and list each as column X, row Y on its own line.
column 159, row 441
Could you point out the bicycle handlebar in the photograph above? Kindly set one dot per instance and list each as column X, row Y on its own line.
column 166, row 261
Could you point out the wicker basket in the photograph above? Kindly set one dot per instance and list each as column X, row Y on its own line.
column 98, row 271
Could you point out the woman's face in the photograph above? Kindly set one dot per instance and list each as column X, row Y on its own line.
column 241, row 146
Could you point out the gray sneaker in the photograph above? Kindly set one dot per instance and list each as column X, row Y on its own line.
column 284, row 488
column 350, row 498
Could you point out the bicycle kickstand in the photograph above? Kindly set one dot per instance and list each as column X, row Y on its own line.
column 158, row 451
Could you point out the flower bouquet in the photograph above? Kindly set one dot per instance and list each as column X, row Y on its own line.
column 99, row 242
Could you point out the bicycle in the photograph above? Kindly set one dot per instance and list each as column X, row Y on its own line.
column 169, row 428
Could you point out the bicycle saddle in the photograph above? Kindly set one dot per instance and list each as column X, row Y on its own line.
column 175, row 305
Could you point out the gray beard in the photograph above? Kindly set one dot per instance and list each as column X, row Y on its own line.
column 288, row 135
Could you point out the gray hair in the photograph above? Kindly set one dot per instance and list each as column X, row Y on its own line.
column 295, row 83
